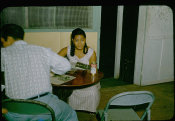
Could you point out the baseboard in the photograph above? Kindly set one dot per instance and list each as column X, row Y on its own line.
column 144, row 83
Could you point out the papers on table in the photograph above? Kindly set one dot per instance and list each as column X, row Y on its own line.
column 82, row 66
column 79, row 66
column 60, row 79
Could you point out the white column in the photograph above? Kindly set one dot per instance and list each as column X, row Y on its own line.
column 118, row 41
column 141, row 32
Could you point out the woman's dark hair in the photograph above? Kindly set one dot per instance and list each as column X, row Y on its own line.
column 12, row 30
column 75, row 32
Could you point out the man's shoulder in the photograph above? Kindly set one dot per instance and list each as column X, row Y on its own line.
column 38, row 47
column 3, row 50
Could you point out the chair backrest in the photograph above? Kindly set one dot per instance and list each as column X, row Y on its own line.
column 31, row 107
column 132, row 98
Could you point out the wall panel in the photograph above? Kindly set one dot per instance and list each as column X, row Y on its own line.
column 57, row 40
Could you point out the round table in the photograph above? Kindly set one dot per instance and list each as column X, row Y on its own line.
column 83, row 79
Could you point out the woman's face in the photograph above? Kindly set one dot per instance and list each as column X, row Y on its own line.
column 79, row 41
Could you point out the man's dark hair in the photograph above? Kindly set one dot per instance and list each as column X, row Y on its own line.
column 13, row 30
column 75, row 32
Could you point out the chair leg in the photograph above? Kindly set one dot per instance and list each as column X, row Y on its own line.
column 106, row 116
column 149, row 115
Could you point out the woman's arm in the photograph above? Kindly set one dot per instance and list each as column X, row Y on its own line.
column 63, row 52
column 93, row 58
column 57, row 63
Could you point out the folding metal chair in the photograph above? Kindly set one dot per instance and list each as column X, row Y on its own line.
column 127, row 99
column 28, row 107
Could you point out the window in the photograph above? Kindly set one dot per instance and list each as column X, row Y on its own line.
column 55, row 17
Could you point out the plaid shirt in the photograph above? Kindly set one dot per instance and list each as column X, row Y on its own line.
column 27, row 69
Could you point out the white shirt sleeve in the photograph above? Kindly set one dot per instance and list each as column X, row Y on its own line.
column 58, row 64
column 2, row 61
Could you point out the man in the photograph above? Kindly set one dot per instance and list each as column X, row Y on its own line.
column 27, row 74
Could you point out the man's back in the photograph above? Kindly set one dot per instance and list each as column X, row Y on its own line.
column 27, row 70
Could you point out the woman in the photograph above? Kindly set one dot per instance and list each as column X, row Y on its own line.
column 86, row 98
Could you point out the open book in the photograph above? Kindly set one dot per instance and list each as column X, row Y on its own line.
column 59, row 79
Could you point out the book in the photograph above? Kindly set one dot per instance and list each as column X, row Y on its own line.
column 60, row 79
column 82, row 66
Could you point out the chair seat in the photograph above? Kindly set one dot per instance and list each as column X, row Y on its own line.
column 121, row 114
column 124, row 101
column 26, row 108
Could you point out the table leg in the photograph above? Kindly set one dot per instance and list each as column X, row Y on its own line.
column 62, row 93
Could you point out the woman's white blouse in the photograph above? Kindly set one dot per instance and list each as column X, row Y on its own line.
column 85, row 98
column 75, row 59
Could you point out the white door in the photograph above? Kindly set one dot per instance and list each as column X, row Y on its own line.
column 156, row 60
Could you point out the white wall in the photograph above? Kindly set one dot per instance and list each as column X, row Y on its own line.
column 51, row 37
column 58, row 40
column 154, row 51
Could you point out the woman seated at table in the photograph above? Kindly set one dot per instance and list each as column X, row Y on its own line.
column 86, row 98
